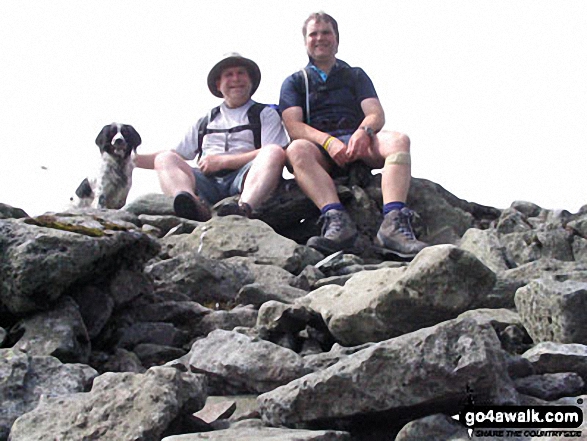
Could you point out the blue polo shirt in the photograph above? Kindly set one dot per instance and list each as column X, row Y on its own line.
column 335, row 102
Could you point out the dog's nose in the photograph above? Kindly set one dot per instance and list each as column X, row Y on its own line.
column 118, row 139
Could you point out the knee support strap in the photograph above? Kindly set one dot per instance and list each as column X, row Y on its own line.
column 399, row 158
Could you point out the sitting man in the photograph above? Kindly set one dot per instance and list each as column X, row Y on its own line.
column 235, row 155
column 334, row 117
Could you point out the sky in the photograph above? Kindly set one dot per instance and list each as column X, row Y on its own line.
column 492, row 93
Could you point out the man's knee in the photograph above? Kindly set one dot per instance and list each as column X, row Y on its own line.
column 301, row 150
column 167, row 159
column 273, row 153
column 394, row 142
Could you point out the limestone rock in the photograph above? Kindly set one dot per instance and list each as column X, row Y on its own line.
column 25, row 378
column 430, row 369
column 550, row 387
column 119, row 406
column 440, row 283
column 59, row 332
column 230, row 236
column 235, row 363
column 551, row 357
column 254, row 430
column 554, row 311
column 37, row 264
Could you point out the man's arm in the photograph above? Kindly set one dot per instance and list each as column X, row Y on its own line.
column 214, row 163
column 360, row 142
column 297, row 129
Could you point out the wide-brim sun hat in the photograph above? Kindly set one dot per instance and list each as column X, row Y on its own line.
column 233, row 59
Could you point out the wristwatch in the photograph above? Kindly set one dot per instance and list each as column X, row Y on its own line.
column 369, row 131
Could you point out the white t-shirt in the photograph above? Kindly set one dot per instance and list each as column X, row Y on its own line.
column 272, row 132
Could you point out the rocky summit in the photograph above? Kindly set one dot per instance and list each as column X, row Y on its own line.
column 135, row 324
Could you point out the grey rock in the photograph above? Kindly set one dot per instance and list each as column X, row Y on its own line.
column 554, row 311
column 38, row 263
column 25, row 378
column 236, row 363
column 181, row 314
column 426, row 370
column 159, row 333
column 216, row 410
column 119, row 406
column 259, row 293
column 230, row 236
column 254, row 430
column 245, row 406
column 201, row 279
column 486, row 246
column 95, row 306
column 323, row 360
column 151, row 204
column 163, row 224
column 445, row 216
column 120, row 360
column 263, row 273
column 226, row 320
column 551, row 387
column 59, row 332
column 551, row 357
column 152, row 354
column 127, row 285
column 380, row 304
column 528, row 209
column 437, row 427
column 281, row 317
column 9, row 212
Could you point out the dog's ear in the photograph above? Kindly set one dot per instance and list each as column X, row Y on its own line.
column 131, row 136
column 104, row 138
column 84, row 190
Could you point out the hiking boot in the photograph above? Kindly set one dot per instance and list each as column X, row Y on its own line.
column 396, row 236
column 189, row 207
column 235, row 208
column 338, row 233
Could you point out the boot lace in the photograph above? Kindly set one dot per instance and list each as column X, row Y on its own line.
column 331, row 223
column 404, row 222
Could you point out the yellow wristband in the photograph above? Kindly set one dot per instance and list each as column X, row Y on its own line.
column 327, row 142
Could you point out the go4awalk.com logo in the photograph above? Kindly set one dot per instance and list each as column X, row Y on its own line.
column 517, row 421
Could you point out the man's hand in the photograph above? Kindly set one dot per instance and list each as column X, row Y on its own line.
column 338, row 151
column 359, row 145
column 212, row 163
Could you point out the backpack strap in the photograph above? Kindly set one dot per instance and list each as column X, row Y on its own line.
column 307, row 84
column 253, row 115
column 203, row 128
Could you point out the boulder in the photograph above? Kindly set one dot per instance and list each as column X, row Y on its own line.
column 426, row 371
column 440, row 283
column 119, row 406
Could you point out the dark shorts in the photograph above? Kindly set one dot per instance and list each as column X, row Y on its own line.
column 335, row 170
column 221, row 185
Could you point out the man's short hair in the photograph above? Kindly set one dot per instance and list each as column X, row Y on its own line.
column 321, row 16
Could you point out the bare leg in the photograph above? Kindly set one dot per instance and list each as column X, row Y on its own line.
column 395, row 179
column 175, row 175
column 264, row 175
column 310, row 169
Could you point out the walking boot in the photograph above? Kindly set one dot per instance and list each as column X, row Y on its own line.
column 235, row 208
column 396, row 235
column 338, row 233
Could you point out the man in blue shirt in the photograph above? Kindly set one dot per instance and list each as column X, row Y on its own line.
column 334, row 117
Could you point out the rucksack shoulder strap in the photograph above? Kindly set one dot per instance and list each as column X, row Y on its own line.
column 203, row 127
column 254, row 116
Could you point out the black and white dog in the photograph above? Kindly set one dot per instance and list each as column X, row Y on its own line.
column 110, row 187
